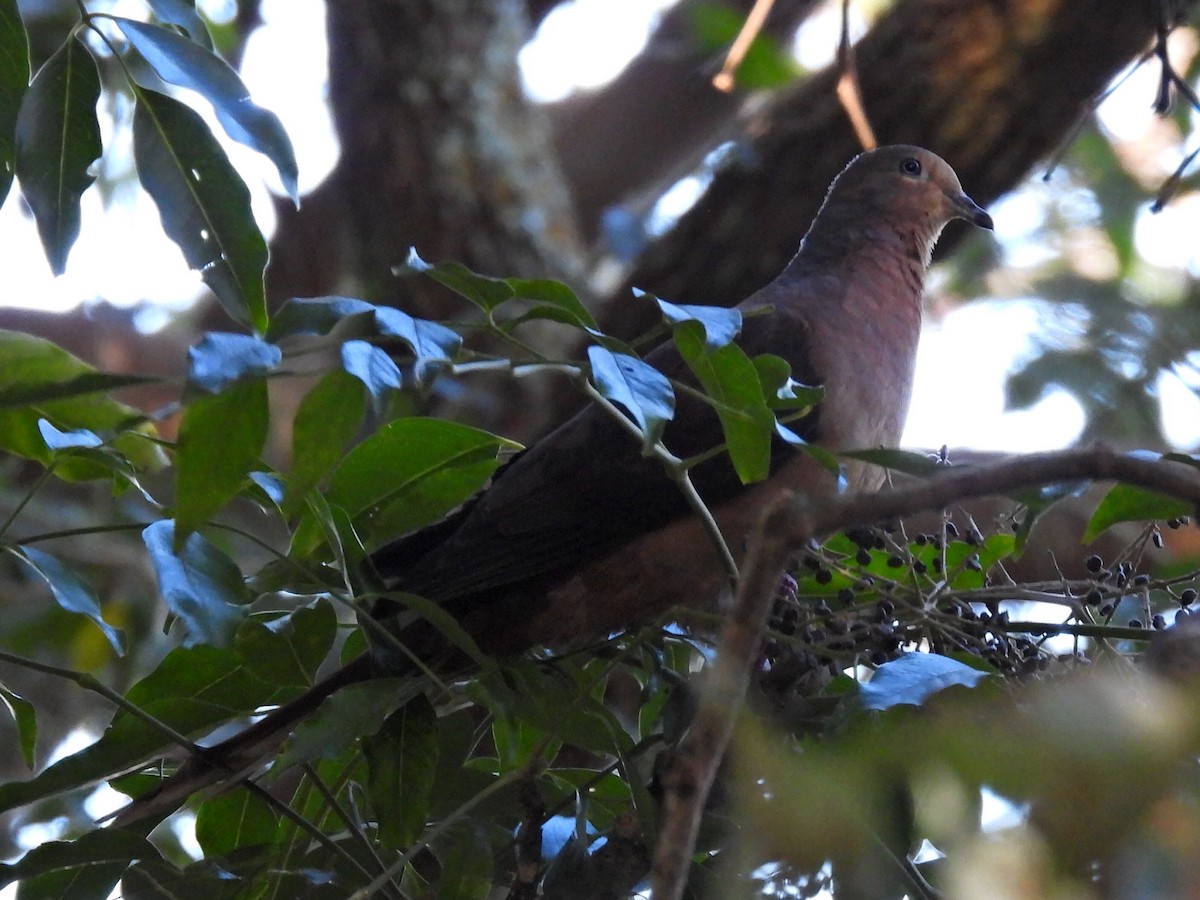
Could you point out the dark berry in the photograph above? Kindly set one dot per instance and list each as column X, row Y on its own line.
column 894, row 561
column 1141, row 580
column 919, row 567
column 823, row 576
column 951, row 530
column 863, row 557
column 1094, row 563
column 1107, row 609
column 1159, row 621
column 1187, row 597
column 1134, row 623
column 822, row 609
column 1093, row 598
column 845, row 596
column 1157, row 538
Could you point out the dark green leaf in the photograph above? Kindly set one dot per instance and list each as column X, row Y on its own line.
column 401, row 762
column 199, row 583
column 85, row 383
column 192, row 690
column 486, row 293
column 906, row 461
column 1126, row 503
column 288, row 650
column 1037, row 500
column 730, row 380
column 58, row 138
column 466, row 857
column 328, row 419
column 14, row 80
column 914, row 678
column 412, row 472
column 204, row 880
column 182, row 62
column 204, row 205
column 70, row 591
column 721, row 324
column 373, row 368
column 234, row 820
column 86, row 868
column 352, row 712
column 24, row 720
column 320, row 315
column 220, row 439
column 183, row 14
column 642, row 390
column 217, row 360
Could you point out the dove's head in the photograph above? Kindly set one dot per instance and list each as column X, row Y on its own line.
column 897, row 193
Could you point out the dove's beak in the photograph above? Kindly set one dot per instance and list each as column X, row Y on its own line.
column 971, row 211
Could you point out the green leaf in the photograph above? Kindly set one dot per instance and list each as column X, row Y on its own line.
column 486, row 293
column 24, row 717
column 465, row 854
column 643, row 391
column 914, row 678
column 57, row 140
column 203, row 202
column 412, row 472
column 289, row 650
column 354, row 711
column 218, row 360
column 320, row 316
column 1126, row 503
column 220, row 439
column 730, row 379
column 328, row 419
column 204, row 880
column 182, row 13
column 906, row 461
column 721, row 324
column 186, row 64
column 192, row 690
column 39, row 380
column 235, row 820
column 86, row 868
column 401, row 763
column 199, row 583
column 14, row 81
column 70, row 591
column 552, row 300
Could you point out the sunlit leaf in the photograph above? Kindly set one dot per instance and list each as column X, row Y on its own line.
column 204, row 205
column 200, row 584
column 14, row 80
column 374, row 368
column 182, row 62
column 57, row 140
column 217, row 360
column 1126, row 503
column 721, row 324
column 70, row 591
column 183, row 14
column 639, row 388
column 914, row 678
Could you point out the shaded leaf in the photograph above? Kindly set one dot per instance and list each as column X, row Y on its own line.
column 203, row 202
column 1126, row 503
column 70, row 591
column 57, row 140
column 401, row 763
column 486, row 293
column 466, row 857
column 24, row 718
column 183, row 14
column 220, row 439
column 352, row 712
column 328, row 419
column 217, row 360
column 914, row 678
column 86, row 868
column 730, row 380
column 642, row 390
column 14, row 80
column 553, row 300
column 289, row 650
column 200, row 584
column 412, row 472
column 320, row 315
column 186, row 64
column 234, row 820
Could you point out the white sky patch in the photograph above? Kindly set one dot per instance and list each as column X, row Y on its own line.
column 816, row 42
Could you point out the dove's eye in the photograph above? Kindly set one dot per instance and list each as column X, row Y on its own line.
column 911, row 167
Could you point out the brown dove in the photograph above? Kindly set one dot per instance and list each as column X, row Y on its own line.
column 582, row 535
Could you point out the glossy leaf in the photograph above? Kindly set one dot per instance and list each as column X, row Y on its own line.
column 433, row 345
column 204, row 205
column 70, row 591
column 639, row 388
column 218, row 360
column 401, row 763
column 186, row 64
column 321, row 315
column 57, row 140
column 24, row 717
column 328, row 419
column 374, row 368
column 200, row 584
column 730, row 379
column 68, row 440
column 914, row 678
column 183, row 14
column 412, row 472
column 14, row 80
column 220, row 439
column 721, row 324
